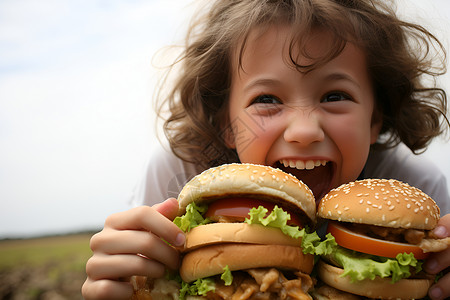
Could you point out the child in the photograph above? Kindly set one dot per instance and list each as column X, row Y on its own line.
column 306, row 86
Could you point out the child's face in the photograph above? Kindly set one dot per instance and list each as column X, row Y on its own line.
column 320, row 123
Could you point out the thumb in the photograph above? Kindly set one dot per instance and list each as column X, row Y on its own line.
column 168, row 208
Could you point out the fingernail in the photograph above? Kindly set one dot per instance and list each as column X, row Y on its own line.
column 180, row 239
column 440, row 231
column 435, row 293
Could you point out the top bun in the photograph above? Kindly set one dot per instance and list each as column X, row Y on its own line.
column 381, row 202
column 249, row 180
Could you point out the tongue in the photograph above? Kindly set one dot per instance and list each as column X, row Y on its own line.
column 317, row 179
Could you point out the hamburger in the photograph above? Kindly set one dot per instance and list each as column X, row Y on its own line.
column 383, row 229
column 247, row 235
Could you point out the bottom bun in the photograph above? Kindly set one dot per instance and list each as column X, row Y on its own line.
column 211, row 260
column 326, row 292
column 379, row 288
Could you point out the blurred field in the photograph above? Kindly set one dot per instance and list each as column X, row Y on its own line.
column 44, row 268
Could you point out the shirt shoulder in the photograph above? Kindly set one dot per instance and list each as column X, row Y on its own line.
column 163, row 177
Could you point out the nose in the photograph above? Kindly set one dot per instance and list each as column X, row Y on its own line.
column 304, row 127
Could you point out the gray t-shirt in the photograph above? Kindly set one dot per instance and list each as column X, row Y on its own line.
column 165, row 175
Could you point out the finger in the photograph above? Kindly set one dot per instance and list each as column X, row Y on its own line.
column 437, row 262
column 442, row 229
column 440, row 290
column 122, row 266
column 106, row 289
column 134, row 242
column 168, row 208
column 149, row 219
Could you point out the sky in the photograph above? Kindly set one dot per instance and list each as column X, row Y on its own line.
column 76, row 115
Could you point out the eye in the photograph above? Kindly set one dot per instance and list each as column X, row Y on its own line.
column 266, row 99
column 335, row 97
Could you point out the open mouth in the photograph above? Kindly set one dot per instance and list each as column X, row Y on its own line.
column 316, row 174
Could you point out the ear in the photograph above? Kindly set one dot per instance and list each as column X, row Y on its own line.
column 228, row 136
column 375, row 126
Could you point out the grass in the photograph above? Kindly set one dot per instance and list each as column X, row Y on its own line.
column 44, row 268
column 69, row 252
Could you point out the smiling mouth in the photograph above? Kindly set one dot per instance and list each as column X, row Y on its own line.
column 316, row 174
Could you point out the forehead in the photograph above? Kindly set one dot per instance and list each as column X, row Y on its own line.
column 304, row 52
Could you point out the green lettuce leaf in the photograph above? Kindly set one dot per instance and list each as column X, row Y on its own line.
column 360, row 266
column 192, row 218
column 203, row 285
column 278, row 218
column 199, row 287
column 226, row 276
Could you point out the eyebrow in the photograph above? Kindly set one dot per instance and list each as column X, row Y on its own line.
column 342, row 76
column 262, row 82
column 336, row 76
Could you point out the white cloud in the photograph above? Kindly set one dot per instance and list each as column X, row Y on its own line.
column 75, row 108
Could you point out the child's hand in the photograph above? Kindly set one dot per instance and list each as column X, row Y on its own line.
column 440, row 261
column 142, row 230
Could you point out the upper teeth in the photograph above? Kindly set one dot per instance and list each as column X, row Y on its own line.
column 302, row 165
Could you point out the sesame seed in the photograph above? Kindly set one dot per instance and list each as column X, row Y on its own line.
column 391, row 207
column 367, row 210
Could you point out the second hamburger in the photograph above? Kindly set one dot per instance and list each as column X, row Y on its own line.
column 384, row 232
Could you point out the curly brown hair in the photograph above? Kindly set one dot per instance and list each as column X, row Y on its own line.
column 401, row 58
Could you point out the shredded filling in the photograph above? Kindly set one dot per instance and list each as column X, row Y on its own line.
column 262, row 284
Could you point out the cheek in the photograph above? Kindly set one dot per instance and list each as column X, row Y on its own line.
column 254, row 136
column 352, row 137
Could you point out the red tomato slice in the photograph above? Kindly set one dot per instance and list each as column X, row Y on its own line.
column 365, row 244
column 239, row 207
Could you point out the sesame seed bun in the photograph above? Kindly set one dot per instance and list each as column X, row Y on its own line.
column 381, row 202
column 262, row 182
